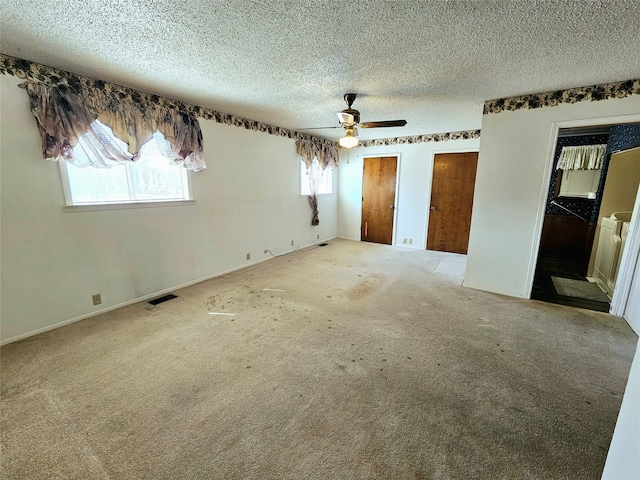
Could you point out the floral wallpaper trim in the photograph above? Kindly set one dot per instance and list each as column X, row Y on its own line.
column 572, row 95
column 28, row 70
column 431, row 137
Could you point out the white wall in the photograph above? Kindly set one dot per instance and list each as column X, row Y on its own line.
column 632, row 309
column 413, row 193
column 623, row 461
column 247, row 200
column 511, row 185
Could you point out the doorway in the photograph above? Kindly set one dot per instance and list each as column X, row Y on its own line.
column 566, row 270
column 452, row 187
column 378, row 199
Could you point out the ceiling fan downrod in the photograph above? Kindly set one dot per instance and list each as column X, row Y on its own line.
column 350, row 116
column 350, row 98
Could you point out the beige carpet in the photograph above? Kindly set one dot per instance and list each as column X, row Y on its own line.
column 350, row 361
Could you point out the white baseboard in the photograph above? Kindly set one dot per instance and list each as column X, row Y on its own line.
column 152, row 295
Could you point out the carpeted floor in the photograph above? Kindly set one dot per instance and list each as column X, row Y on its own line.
column 350, row 361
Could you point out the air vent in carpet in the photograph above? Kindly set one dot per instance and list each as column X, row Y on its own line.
column 162, row 299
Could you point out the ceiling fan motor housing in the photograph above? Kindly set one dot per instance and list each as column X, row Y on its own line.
column 355, row 114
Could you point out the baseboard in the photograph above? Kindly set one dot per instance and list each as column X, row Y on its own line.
column 154, row 294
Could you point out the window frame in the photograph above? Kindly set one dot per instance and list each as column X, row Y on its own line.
column 71, row 205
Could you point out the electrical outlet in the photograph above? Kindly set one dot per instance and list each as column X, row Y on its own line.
column 266, row 251
column 318, row 237
column 97, row 299
column 411, row 241
column 248, row 256
column 292, row 243
column 404, row 241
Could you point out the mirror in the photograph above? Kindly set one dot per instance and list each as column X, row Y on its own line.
column 578, row 183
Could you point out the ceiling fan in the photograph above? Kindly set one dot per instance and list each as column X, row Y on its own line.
column 349, row 119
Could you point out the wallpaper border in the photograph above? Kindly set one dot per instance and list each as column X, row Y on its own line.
column 430, row 137
column 591, row 93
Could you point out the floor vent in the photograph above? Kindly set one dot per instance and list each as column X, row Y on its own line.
column 162, row 299
column 323, row 244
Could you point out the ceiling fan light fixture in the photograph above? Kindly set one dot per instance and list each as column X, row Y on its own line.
column 349, row 140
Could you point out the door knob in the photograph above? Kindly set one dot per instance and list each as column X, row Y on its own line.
column 391, row 206
column 432, row 208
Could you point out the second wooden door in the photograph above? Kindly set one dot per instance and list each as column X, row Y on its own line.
column 454, row 177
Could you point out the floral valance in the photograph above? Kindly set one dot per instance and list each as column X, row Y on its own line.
column 181, row 111
column 327, row 154
column 582, row 157
column 67, row 111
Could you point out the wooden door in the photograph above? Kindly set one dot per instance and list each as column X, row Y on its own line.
column 378, row 199
column 454, row 178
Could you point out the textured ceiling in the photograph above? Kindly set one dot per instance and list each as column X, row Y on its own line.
column 288, row 63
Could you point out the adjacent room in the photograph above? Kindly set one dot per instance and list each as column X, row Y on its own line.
column 391, row 240
column 586, row 224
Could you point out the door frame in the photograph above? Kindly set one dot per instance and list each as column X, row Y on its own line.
column 430, row 184
column 622, row 287
column 395, row 194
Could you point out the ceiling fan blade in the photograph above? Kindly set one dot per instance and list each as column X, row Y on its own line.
column 320, row 128
column 386, row 123
column 346, row 118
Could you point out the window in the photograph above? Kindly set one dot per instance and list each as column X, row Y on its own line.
column 151, row 178
column 325, row 178
column 579, row 183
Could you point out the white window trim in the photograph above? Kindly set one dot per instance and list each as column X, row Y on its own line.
column 127, row 205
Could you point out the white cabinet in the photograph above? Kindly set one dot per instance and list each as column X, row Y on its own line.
column 609, row 249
